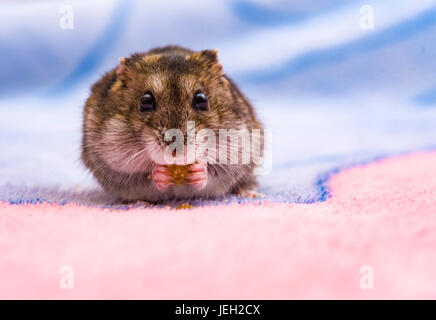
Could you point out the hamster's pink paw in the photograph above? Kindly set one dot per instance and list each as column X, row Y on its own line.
column 161, row 178
column 198, row 176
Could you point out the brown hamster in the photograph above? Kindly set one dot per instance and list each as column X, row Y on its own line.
column 132, row 106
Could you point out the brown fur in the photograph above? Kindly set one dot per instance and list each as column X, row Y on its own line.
column 114, row 130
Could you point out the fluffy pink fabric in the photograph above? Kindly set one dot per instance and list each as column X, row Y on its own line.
column 382, row 215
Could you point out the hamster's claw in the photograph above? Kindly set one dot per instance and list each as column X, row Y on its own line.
column 161, row 178
column 198, row 176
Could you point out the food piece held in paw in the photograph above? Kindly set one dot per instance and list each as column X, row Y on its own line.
column 178, row 173
column 185, row 206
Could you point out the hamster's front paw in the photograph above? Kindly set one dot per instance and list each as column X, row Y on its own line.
column 197, row 177
column 161, row 177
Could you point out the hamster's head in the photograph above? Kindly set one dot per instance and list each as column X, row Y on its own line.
column 156, row 92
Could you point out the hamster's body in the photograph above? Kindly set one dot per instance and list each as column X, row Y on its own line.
column 132, row 106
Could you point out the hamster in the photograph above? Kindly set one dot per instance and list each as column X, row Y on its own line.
column 131, row 108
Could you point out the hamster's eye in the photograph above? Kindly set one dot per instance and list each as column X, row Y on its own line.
column 200, row 101
column 147, row 102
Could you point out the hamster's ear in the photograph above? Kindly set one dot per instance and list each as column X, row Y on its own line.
column 122, row 66
column 209, row 58
column 211, row 55
column 121, row 74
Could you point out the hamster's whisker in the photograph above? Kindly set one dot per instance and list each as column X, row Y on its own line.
column 137, row 154
column 152, row 147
